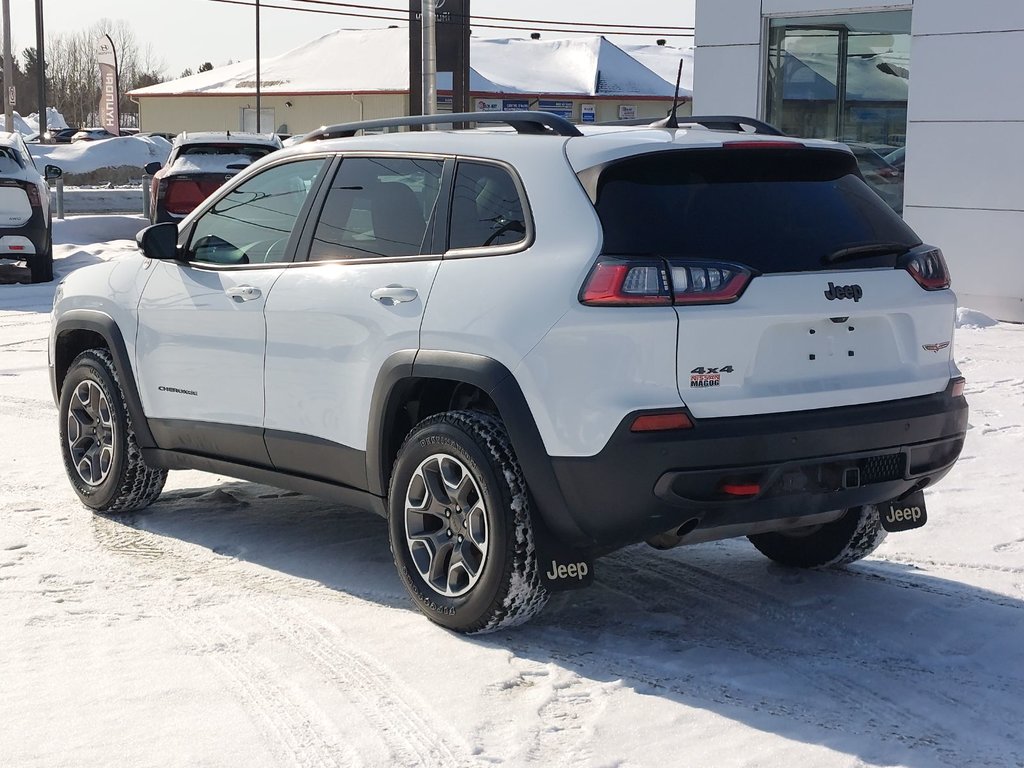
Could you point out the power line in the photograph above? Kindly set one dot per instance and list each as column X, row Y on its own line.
column 365, row 7
column 404, row 18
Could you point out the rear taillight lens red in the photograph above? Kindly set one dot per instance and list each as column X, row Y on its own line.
column 181, row 196
column 33, row 196
column 661, row 422
column 635, row 283
column 627, row 284
column 928, row 268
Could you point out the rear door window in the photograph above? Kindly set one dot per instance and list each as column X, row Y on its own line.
column 378, row 207
column 776, row 210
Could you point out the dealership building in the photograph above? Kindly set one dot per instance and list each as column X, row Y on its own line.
column 934, row 84
column 349, row 75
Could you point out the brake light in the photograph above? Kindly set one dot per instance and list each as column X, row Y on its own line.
column 627, row 284
column 957, row 386
column 644, row 283
column 33, row 196
column 763, row 145
column 181, row 196
column 928, row 268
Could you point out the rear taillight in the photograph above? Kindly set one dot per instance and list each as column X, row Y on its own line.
column 33, row 196
column 613, row 282
column 181, row 196
column 636, row 283
column 928, row 268
column 699, row 283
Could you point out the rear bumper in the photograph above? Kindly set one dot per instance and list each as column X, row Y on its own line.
column 34, row 231
column 801, row 464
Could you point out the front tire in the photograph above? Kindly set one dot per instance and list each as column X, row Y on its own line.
column 101, row 456
column 460, row 525
column 852, row 537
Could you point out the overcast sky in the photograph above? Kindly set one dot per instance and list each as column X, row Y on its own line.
column 185, row 33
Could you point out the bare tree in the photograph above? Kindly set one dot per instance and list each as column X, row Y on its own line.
column 74, row 75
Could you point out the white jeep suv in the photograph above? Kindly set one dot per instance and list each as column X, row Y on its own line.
column 526, row 348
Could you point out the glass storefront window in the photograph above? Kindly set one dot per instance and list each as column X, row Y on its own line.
column 845, row 77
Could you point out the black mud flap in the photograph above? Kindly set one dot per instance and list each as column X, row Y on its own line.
column 561, row 567
column 904, row 514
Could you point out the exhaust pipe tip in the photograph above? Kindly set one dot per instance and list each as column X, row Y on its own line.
column 674, row 537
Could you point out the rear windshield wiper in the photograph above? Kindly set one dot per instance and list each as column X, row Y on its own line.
column 871, row 249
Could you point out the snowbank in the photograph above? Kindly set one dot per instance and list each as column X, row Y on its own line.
column 972, row 318
column 84, row 157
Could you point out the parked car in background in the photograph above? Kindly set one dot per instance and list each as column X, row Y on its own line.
column 60, row 135
column 91, row 134
column 198, row 164
column 897, row 158
column 26, row 224
column 881, row 175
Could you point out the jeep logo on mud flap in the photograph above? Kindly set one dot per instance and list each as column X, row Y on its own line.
column 571, row 571
column 840, row 292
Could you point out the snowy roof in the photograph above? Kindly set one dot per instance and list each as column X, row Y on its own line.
column 377, row 60
column 664, row 60
column 877, row 77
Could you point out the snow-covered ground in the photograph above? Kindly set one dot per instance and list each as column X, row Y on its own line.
column 234, row 624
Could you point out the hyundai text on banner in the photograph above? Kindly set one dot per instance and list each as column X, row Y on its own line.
column 110, row 117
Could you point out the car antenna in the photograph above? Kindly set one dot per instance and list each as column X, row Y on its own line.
column 670, row 121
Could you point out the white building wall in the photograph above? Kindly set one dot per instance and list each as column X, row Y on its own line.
column 965, row 134
column 965, row 146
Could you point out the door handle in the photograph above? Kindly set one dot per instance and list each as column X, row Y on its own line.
column 394, row 294
column 242, row 293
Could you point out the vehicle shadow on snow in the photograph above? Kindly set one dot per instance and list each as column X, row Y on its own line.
column 879, row 661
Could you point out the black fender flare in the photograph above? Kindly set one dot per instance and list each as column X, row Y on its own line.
column 105, row 326
column 501, row 386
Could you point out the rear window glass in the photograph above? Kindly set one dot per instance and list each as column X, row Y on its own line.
column 776, row 210
column 9, row 162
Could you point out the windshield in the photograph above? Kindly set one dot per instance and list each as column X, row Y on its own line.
column 776, row 210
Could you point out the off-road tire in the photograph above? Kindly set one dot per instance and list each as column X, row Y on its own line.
column 129, row 484
column 852, row 537
column 40, row 266
column 508, row 590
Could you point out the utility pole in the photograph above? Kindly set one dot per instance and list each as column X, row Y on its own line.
column 259, row 91
column 428, row 33
column 41, row 71
column 8, row 71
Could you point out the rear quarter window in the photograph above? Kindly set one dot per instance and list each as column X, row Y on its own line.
column 776, row 210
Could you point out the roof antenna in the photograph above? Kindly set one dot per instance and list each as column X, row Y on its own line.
column 671, row 121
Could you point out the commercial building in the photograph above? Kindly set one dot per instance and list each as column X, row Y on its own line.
column 351, row 75
column 932, row 86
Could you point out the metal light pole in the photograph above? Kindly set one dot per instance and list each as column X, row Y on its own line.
column 429, row 52
column 41, row 73
column 259, row 110
column 8, row 70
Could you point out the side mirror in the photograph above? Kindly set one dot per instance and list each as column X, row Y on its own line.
column 152, row 168
column 51, row 172
column 159, row 241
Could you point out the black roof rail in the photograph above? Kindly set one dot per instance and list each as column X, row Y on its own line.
column 712, row 123
column 523, row 121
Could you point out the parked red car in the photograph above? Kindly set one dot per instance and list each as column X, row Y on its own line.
column 198, row 164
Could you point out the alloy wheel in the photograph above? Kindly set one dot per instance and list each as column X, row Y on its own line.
column 90, row 433
column 446, row 525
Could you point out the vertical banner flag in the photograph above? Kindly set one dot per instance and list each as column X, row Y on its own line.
column 110, row 117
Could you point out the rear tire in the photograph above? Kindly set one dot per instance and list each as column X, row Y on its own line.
column 852, row 537
column 460, row 525
column 102, row 459
column 40, row 266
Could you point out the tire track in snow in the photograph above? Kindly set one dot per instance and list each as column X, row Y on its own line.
column 287, row 726
column 393, row 709
column 837, row 664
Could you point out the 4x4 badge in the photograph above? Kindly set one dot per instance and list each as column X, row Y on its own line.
column 935, row 347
